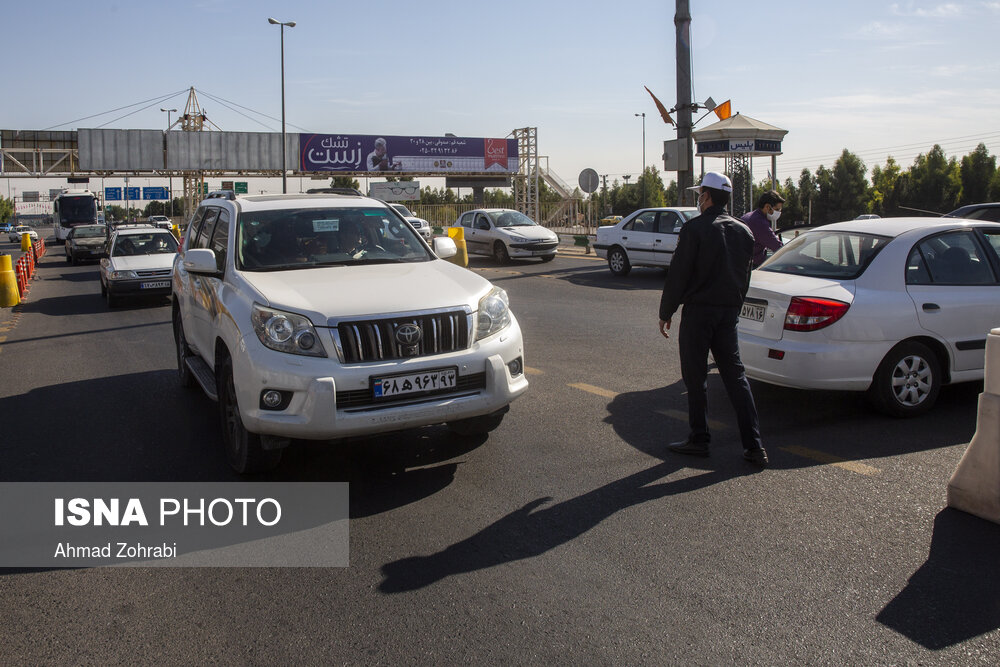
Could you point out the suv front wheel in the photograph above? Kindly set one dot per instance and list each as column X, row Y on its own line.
column 243, row 448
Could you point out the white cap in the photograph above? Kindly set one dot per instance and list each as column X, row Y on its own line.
column 714, row 180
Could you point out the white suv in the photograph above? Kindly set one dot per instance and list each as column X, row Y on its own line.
column 325, row 316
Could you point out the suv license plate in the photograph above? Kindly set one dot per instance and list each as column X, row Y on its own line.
column 157, row 284
column 753, row 311
column 414, row 383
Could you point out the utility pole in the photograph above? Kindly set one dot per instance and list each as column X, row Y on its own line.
column 685, row 178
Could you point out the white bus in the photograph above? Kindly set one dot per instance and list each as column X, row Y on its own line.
column 72, row 208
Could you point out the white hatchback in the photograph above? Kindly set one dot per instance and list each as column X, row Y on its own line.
column 506, row 234
column 647, row 237
column 896, row 307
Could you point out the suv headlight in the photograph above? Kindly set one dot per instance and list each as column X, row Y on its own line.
column 494, row 313
column 286, row 332
column 123, row 275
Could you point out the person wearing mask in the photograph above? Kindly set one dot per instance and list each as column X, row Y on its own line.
column 710, row 274
column 761, row 222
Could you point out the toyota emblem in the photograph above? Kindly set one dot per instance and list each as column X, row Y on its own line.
column 408, row 334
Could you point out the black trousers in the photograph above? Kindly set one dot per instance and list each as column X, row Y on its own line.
column 713, row 328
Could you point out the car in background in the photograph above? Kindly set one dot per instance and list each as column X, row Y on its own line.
column 139, row 261
column 896, row 307
column 161, row 221
column 647, row 237
column 323, row 317
column 506, row 234
column 419, row 224
column 868, row 216
column 15, row 234
column 5, row 227
column 610, row 220
column 85, row 242
column 990, row 212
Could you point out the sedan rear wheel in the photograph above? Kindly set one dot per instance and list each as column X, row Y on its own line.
column 618, row 262
column 907, row 381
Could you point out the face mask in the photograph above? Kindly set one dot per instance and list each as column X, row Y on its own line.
column 774, row 215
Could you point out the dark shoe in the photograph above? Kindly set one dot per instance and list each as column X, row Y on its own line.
column 689, row 447
column 758, row 457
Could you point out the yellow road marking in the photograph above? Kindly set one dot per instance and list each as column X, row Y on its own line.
column 830, row 459
column 683, row 416
column 532, row 371
column 589, row 388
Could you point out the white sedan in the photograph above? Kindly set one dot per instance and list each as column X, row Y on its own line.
column 895, row 307
column 505, row 234
column 647, row 237
column 15, row 234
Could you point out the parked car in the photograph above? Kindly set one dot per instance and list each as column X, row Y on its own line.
column 990, row 212
column 610, row 220
column 139, row 261
column 5, row 227
column 319, row 317
column 161, row 221
column 647, row 237
column 85, row 242
column 419, row 224
column 15, row 234
column 895, row 307
column 506, row 234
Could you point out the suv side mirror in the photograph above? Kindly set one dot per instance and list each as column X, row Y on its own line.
column 444, row 247
column 200, row 261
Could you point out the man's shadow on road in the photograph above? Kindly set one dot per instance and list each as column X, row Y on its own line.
column 533, row 530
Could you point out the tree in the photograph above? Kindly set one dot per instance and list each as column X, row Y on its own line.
column 978, row 170
column 6, row 209
column 849, row 189
column 884, row 195
column 933, row 184
column 652, row 185
column 345, row 182
column 808, row 192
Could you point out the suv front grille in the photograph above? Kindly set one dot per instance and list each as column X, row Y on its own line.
column 376, row 340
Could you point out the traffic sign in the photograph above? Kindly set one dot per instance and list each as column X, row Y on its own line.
column 588, row 180
column 132, row 194
column 241, row 187
column 155, row 193
column 112, row 194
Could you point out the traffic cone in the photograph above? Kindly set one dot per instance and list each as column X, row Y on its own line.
column 10, row 296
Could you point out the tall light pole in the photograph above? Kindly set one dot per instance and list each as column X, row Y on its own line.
column 170, row 176
column 643, row 177
column 284, row 176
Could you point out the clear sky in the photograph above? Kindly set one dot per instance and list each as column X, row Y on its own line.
column 877, row 77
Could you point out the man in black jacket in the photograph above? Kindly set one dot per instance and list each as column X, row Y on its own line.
column 710, row 275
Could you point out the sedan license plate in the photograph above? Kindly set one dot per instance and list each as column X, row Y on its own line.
column 753, row 310
column 155, row 285
column 414, row 383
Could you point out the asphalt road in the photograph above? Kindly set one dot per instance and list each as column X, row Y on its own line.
column 569, row 536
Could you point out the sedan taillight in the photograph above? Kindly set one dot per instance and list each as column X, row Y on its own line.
column 809, row 313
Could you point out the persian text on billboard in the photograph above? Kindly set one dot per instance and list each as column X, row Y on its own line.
column 390, row 154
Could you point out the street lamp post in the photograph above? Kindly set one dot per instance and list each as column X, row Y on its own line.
column 170, row 176
column 290, row 24
column 643, row 114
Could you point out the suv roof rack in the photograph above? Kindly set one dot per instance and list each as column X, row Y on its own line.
column 334, row 191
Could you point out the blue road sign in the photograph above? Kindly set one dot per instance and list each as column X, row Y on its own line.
column 112, row 194
column 132, row 194
column 155, row 193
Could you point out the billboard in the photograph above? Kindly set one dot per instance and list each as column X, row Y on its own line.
column 395, row 191
column 381, row 154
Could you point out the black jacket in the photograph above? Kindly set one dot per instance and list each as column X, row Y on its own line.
column 711, row 265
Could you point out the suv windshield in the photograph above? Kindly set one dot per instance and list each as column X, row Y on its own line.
column 510, row 219
column 836, row 254
column 403, row 210
column 305, row 237
column 89, row 232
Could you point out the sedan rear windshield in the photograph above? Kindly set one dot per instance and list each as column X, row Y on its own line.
column 841, row 255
